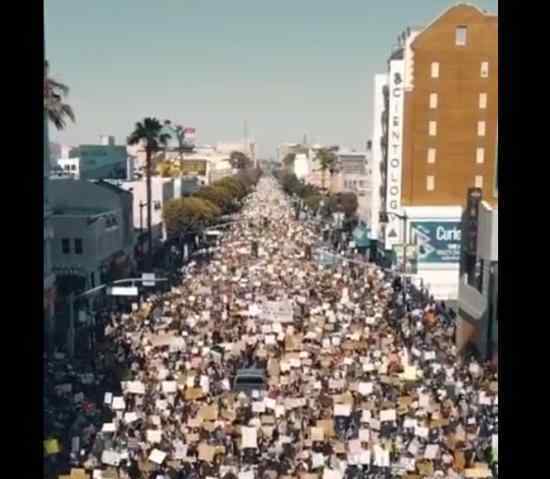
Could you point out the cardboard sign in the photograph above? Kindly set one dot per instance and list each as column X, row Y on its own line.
column 206, row 452
column 209, row 413
column 328, row 427
column 317, row 434
column 51, row 446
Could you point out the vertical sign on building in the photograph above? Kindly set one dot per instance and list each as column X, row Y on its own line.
column 395, row 152
column 380, row 81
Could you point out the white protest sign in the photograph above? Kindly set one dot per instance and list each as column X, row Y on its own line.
column 421, row 431
column 130, row 417
column 108, row 427
column 110, row 457
column 154, row 436
column 118, row 403
column 342, row 409
column 387, row 415
column 249, row 437
column 157, row 456
column 169, row 387
column 431, row 452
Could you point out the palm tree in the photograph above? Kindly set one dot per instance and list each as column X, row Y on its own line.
column 327, row 161
column 149, row 132
column 54, row 93
column 179, row 133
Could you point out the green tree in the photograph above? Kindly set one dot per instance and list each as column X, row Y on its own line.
column 149, row 132
column 237, row 189
column 327, row 161
column 54, row 94
column 183, row 215
column 218, row 195
column 239, row 160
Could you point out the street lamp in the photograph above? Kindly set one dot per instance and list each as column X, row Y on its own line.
column 384, row 219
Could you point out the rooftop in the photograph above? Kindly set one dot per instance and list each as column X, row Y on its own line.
column 72, row 211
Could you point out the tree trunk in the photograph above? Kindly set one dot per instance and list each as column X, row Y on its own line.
column 323, row 172
column 149, row 263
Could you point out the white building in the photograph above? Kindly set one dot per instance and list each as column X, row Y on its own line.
column 302, row 166
column 162, row 191
column 94, row 236
column 478, row 294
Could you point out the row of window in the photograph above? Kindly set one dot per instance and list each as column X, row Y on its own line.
column 430, row 182
column 482, row 101
column 66, row 245
column 354, row 183
column 480, row 155
column 483, row 73
column 432, row 128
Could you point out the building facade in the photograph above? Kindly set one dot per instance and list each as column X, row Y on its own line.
column 450, row 108
column 439, row 133
column 93, row 233
column 477, row 325
column 95, row 162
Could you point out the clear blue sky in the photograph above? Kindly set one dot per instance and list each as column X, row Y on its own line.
column 289, row 67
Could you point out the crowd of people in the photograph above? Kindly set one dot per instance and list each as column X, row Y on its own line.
column 361, row 381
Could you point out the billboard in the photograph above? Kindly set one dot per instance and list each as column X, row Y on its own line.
column 395, row 151
column 438, row 241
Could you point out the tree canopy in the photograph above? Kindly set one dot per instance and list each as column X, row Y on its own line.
column 54, row 94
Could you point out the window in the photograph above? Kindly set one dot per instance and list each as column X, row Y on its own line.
column 65, row 245
column 78, row 245
column 73, row 167
column 480, row 128
column 460, row 37
column 433, row 100
column 430, row 183
column 484, row 69
column 480, row 156
column 431, row 155
column 432, row 128
column 479, row 181
column 482, row 101
column 156, row 205
column 435, row 70
column 92, row 280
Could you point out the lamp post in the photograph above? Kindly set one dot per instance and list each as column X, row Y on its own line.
column 404, row 218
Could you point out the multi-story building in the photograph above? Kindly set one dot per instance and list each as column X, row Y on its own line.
column 162, row 190
column 451, row 108
column 95, row 162
column 477, row 324
column 441, row 128
column 94, row 236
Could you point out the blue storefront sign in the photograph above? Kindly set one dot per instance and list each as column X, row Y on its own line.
column 361, row 237
column 438, row 241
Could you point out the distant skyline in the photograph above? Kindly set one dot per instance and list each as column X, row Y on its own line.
column 290, row 68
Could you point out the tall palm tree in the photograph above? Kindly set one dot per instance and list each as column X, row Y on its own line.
column 327, row 161
column 179, row 133
column 54, row 93
column 149, row 132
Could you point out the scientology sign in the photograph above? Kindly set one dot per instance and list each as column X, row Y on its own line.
column 438, row 241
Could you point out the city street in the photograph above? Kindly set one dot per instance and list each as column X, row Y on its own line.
column 264, row 363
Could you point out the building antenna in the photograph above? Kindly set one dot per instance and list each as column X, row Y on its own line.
column 246, row 133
